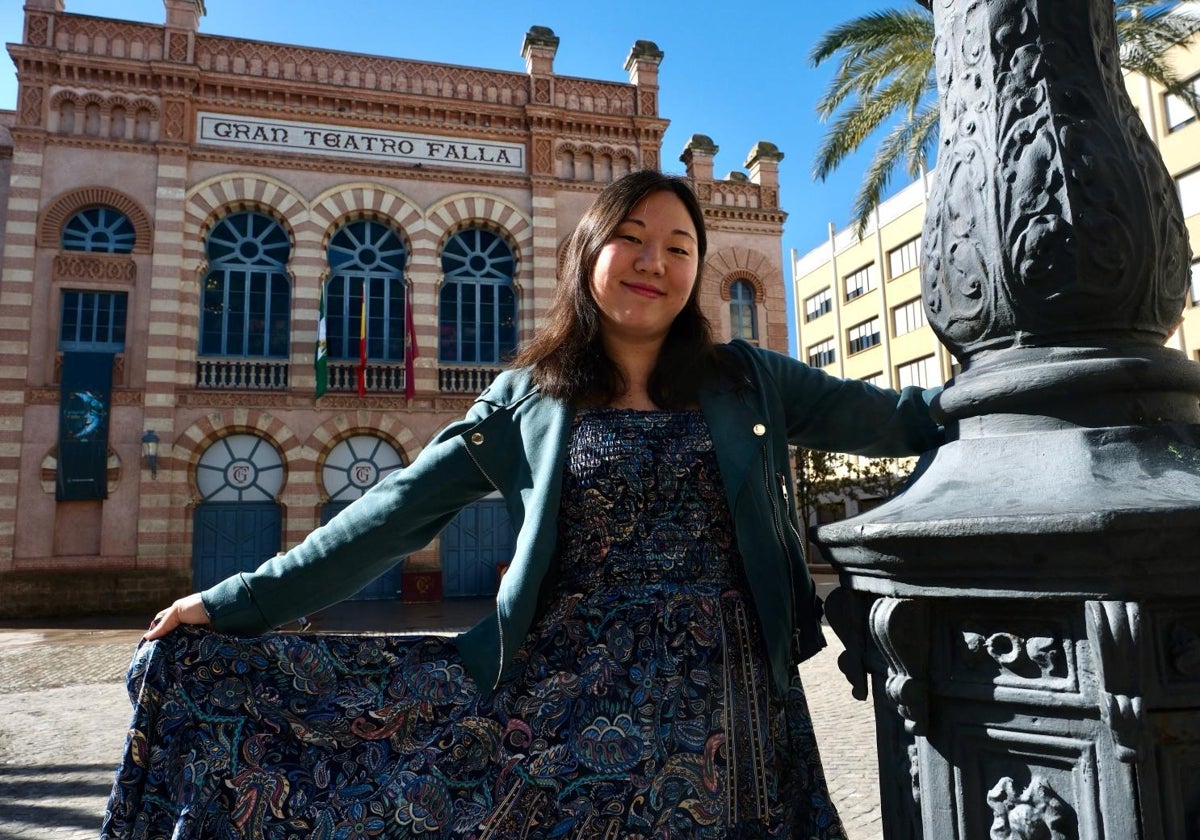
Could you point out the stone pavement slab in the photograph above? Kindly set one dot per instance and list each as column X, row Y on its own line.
column 64, row 713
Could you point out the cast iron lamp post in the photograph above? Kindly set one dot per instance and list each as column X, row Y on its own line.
column 1028, row 609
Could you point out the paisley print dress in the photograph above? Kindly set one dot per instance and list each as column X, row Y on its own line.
column 639, row 707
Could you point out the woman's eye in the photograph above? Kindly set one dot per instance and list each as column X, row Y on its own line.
column 683, row 251
column 629, row 237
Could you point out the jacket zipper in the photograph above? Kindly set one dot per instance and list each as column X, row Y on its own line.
column 499, row 623
column 783, row 545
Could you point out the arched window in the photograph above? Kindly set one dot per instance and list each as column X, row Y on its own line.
column 91, row 119
column 66, row 117
column 116, row 124
column 477, row 314
column 246, row 309
column 371, row 255
column 99, row 230
column 743, row 315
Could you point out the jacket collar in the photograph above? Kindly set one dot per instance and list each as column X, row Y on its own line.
column 733, row 412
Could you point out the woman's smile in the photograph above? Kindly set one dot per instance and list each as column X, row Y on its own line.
column 646, row 271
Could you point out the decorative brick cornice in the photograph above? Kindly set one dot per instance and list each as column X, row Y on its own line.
column 53, row 218
column 124, row 397
column 94, row 268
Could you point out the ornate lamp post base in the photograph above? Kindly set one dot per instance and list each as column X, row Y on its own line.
column 1027, row 610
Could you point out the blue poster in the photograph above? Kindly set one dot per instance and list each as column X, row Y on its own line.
column 85, row 402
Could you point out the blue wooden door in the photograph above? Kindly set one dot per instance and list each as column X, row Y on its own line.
column 386, row 587
column 473, row 544
column 230, row 537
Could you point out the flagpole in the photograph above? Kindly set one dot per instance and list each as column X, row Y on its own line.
column 410, row 347
column 362, row 344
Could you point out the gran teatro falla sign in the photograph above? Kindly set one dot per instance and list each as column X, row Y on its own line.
column 261, row 134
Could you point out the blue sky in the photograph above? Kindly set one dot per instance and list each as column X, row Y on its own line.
column 736, row 71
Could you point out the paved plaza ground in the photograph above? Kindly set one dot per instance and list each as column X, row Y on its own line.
column 64, row 712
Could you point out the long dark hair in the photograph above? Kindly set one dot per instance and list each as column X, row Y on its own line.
column 567, row 356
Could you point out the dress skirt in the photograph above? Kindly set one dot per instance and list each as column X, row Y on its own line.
column 640, row 705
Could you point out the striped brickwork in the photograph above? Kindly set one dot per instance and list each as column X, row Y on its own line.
column 81, row 141
column 16, row 297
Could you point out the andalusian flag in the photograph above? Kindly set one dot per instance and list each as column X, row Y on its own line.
column 321, row 362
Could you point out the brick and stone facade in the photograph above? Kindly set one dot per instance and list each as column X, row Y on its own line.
column 175, row 130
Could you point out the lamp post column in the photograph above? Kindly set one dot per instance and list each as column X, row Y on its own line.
column 1027, row 611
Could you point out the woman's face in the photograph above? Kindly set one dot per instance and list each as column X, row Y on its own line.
column 645, row 272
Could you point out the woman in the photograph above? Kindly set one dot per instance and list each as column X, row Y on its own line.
column 638, row 677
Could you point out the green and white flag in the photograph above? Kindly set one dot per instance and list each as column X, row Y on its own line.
column 321, row 362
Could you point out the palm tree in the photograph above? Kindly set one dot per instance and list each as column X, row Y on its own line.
column 885, row 70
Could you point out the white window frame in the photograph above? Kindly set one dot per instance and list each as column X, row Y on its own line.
column 908, row 317
column 858, row 283
column 819, row 304
column 923, row 372
column 904, row 258
column 1188, row 185
column 863, row 336
column 822, row 354
column 1176, row 112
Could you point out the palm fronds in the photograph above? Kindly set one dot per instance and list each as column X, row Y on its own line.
column 884, row 74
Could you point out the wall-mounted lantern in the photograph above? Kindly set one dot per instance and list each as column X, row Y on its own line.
column 150, row 451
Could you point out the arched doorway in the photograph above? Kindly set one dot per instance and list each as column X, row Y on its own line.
column 238, row 523
column 352, row 467
column 475, row 545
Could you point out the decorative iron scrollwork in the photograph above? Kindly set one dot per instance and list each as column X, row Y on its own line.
column 1036, row 814
column 846, row 616
column 900, row 627
column 1029, row 656
column 1114, row 632
column 1038, row 227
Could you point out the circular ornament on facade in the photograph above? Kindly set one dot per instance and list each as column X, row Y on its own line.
column 356, row 464
column 240, row 468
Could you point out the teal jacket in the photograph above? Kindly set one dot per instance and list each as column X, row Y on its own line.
column 514, row 440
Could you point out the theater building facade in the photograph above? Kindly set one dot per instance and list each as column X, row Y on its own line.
column 184, row 215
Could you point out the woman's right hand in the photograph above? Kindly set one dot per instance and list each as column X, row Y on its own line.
column 187, row 610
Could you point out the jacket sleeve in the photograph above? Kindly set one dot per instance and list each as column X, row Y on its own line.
column 400, row 514
column 849, row 415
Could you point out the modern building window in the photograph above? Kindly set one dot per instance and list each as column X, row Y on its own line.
column 818, row 304
column 875, row 379
column 923, row 373
column 365, row 255
column 1189, row 192
column 822, row 354
column 743, row 314
column 477, row 312
column 1177, row 112
column 860, row 282
column 908, row 317
column 862, row 336
column 905, row 258
column 99, row 230
column 93, row 321
column 1195, row 282
column 246, row 307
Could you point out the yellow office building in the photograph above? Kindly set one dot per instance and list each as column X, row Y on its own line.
column 858, row 309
